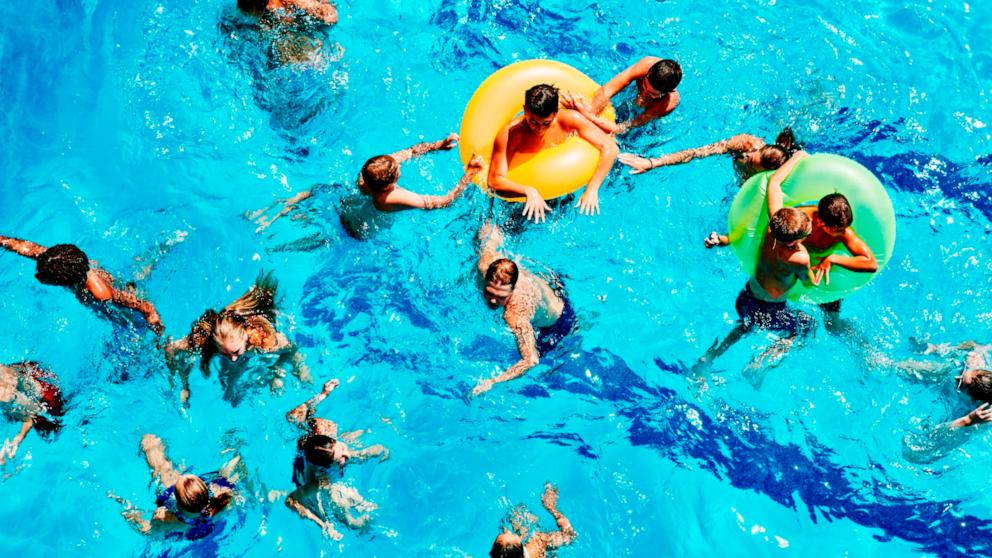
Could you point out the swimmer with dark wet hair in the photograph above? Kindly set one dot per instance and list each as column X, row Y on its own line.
column 30, row 395
column 186, row 503
column 751, row 154
column 320, row 461
column 65, row 265
column 656, row 81
column 528, row 303
column 247, row 324
column 322, row 11
column 510, row 543
column 543, row 126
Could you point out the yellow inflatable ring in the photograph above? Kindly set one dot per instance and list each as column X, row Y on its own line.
column 555, row 171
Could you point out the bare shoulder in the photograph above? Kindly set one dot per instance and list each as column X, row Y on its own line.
column 642, row 66
column 745, row 142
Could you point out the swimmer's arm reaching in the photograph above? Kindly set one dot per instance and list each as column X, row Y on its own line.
column 490, row 238
column 565, row 534
column 128, row 298
column 526, row 344
column 377, row 450
column 400, row 198
column 775, row 196
column 426, row 147
column 294, row 502
column 574, row 101
column 620, row 81
column 10, row 446
column 302, row 413
column 22, row 247
column 535, row 206
column 983, row 413
column 608, row 151
column 861, row 259
column 161, row 468
column 740, row 143
column 323, row 11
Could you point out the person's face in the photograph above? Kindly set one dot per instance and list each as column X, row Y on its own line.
column 537, row 124
column 232, row 347
column 497, row 294
column 340, row 454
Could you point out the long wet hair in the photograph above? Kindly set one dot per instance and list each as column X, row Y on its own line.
column 257, row 307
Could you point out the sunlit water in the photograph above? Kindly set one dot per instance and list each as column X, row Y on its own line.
column 131, row 126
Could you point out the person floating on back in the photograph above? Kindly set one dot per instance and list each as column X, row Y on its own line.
column 319, row 10
column 247, row 324
column 543, row 126
column 31, row 396
column 782, row 260
column 512, row 544
column 751, row 154
column 656, row 81
column 186, row 504
column 319, row 465
column 66, row 265
column 527, row 301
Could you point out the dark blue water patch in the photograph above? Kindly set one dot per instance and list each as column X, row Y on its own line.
column 566, row 439
column 787, row 473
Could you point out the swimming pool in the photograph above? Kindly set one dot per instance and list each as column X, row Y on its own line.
column 132, row 125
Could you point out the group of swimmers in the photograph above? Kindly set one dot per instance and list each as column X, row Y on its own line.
column 535, row 308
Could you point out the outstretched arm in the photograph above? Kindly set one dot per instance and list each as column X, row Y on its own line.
column 161, row 468
column 775, row 196
column 22, row 247
column 324, row 11
column 603, row 95
column 10, row 446
column 739, row 143
column 302, row 412
column 527, row 345
column 490, row 239
column 400, row 198
column 295, row 502
column 982, row 413
column 128, row 298
column 425, row 147
column 608, row 151
column 565, row 533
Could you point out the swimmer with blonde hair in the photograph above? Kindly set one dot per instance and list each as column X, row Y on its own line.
column 65, row 265
column 185, row 503
column 510, row 543
column 321, row 457
column 247, row 324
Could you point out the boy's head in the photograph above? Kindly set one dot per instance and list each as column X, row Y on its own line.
column 324, row 451
column 507, row 545
column 501, row 278
column 62, row 264
column 664, row 76
column 192, row 494
column 789, row 225
column 771, row 157
column 835, row 211
column 380, row 172
column 541, row 101
column 977, row 383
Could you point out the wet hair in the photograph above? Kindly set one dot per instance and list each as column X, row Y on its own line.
column 541, row 100
column 786, row 139
column 980, row 387
column 507, row 550
column 319, row 449
column 192, row 493
column 665, row 75
column 790, row 224
column 62, row 264
column 504, row 272
column 379, row 172
column 835, row 211
column 772, row 156
column 253, row 5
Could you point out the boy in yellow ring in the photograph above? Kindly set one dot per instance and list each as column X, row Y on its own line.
column 544, row 126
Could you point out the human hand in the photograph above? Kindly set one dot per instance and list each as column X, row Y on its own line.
column 636, row 163
column 475, row 164
column 588, row 204
column 982, row 414
column 550, row 498
column 448, row 142
column 821, row 272
column 330, row 385
column 330, row 531
column 712, row 240
column 575, row 101
column 535, row 206
column 482, row 387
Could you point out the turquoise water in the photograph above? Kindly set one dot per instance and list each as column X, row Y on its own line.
column 136, row 125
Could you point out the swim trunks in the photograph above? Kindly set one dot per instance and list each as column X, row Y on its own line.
column 775, row 316
column 549, row 337
column 831, row 307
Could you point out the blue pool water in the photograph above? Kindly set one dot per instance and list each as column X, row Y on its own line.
column 130, row 126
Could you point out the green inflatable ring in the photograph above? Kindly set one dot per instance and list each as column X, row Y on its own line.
column 813, row 178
